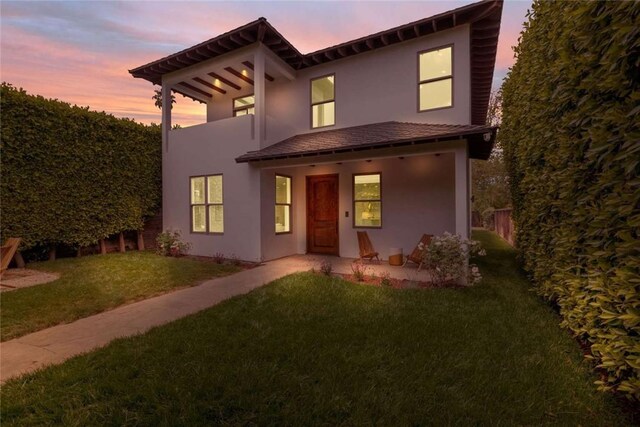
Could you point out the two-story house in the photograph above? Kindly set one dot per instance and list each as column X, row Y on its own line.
column 299, row 151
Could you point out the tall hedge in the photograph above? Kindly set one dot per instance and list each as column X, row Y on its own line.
column 73, row 176
column 571, row 138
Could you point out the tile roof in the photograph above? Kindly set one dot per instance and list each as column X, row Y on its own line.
column 373, row 136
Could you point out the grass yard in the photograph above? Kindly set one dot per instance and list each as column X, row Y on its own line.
column 310, row 350
column 92, row 284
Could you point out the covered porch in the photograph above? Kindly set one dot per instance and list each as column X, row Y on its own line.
column 316, row 204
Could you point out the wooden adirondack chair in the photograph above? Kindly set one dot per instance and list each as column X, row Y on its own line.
column 417, row 255
column 7, row 252
column 366, row 248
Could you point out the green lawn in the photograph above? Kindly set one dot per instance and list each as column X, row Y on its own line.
column 92, row 284
column 310, row 350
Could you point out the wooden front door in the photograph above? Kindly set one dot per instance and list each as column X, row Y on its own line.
column 322, row 214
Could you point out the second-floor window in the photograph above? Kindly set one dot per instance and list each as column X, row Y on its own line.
column 207, row 209
column 436, row 78
column 323, row 104
column 244, row 105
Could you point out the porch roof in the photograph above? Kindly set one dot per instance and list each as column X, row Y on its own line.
column 483, row 18
column 375, row 136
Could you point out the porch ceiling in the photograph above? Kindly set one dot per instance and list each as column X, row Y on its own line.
column 376, row 136
column 222, row 79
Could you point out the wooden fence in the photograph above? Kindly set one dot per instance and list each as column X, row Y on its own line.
column 504, row 225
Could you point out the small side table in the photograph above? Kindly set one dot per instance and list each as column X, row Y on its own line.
column 395, row 256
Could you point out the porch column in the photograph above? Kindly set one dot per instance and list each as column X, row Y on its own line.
column 462, row 191
column 259, row 93
column 166, row 114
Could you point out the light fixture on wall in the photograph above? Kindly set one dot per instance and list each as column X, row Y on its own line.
column 486, row 136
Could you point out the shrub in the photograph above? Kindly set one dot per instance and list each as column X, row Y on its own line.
column 170, row 244
column 72, row 176
column 488, row 219
column 570, row 132
column 326, row 267
column 447, row 259
column 359, row 270
column 234, row 260
column 385, row 279
column 218, row 258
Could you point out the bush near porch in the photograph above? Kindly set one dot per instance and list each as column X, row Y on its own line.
column 570, row 132
column 315, row 350
column 93, row 284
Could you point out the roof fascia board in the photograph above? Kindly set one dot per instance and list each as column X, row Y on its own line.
column 356, row 156
column 277, row 63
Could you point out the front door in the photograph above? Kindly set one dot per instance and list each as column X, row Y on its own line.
column 322, row 214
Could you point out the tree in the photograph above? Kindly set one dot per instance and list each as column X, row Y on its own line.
column 490, row 180
column 157, row 97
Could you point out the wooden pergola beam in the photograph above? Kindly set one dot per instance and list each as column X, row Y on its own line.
column 195, row 89
column 186, row 95
column 209, row 85
column 239, row 75
column 225, row 81
column 249, row 65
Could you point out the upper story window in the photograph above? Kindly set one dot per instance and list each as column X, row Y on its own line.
column 435, row 78
column 367, row 200
column 244, row 105
column 207, row 210
column 323, row 104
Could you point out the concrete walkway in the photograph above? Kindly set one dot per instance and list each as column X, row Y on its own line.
column 56, row 344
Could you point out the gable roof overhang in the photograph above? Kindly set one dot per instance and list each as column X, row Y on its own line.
column 483, row 17
column 364, row 138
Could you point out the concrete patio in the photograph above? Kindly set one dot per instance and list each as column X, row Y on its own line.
column 18, row 278
column 343, row 266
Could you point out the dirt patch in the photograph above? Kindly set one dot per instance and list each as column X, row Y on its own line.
column 18, row 278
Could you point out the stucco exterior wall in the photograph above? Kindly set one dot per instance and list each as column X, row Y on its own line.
column 421, row 194
column 418, row 196
column 372, row 87
column 210, row 149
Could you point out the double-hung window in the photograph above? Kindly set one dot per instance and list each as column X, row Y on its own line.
column 244, row 105
column 367, row 200
column 207, row 209
column 435, row 78
column 283, row 204
column 323, row 104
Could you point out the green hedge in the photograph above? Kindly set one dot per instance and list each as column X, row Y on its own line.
column 571, row 137
column 72, row 176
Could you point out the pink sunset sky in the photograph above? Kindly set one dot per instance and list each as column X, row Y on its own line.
column 80, row 51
